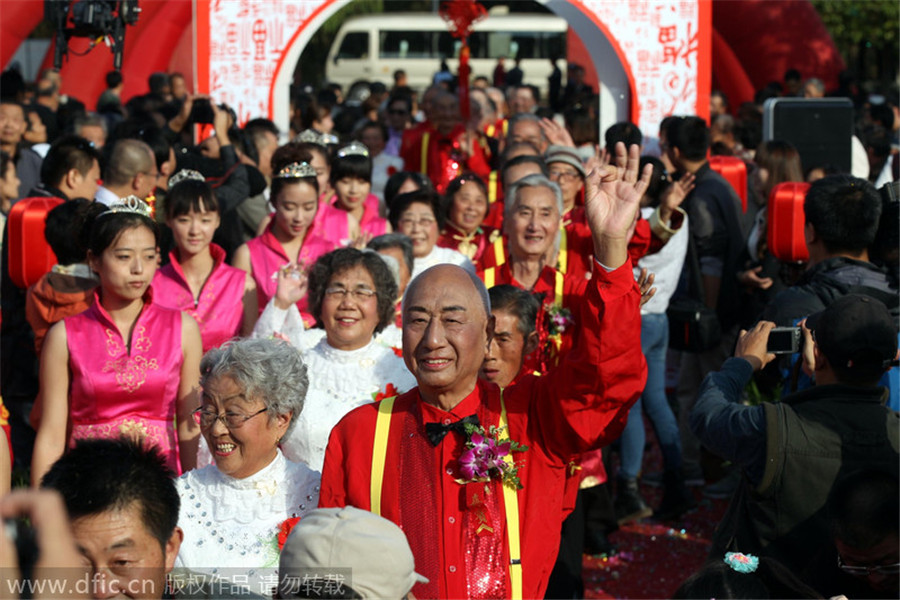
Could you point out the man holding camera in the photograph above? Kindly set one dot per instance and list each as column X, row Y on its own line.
column 791, row 453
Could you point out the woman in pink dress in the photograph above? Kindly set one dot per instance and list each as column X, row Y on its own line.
column 126, row 366
column 221, row 298
column 354, row 211
column 291, row 237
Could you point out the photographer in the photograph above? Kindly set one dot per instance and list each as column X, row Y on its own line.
column 791, row 453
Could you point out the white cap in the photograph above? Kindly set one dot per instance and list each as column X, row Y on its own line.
column 372, row 550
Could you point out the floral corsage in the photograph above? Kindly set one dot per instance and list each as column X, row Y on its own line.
column 740, row 562
column 558, row 319
column 485, row 457
column 284, row 530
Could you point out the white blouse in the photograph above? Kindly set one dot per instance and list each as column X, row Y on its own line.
column 441, row 256
column 339, row 380
column 232, row 524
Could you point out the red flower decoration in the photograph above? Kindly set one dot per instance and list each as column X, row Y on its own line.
column 398, row 351
column 284, row 530
column 389, row 391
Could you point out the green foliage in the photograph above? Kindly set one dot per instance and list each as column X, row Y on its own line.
column 866, row 33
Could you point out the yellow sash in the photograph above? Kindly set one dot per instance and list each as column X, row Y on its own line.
column 492, row 187
column 423, row 158
column 563, row 261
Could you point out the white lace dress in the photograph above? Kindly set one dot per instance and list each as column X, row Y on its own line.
column 339, row 380
column 231, row 525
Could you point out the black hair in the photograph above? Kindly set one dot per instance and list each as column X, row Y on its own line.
column 455, row 185
column 882, row 114
column 394, row 240
column 107, row 227
column 190, row 195
column 97, row 476
column 690, row 135
column 523, row 159
column 355, row 166
column 381, row 127
column 792, row 74
column 521, row 304
column 721, row 95
column 113, row 79
column 157, row 82
column 5, row 160
column 66, row 227
column 12, row 85
column 626, row 132
column 400, row 203
column 289, row 154
column 400, row 97
column 863, row 508
column 396, row 181
column 67, row 153
column 844, row 210
column 659, row 180
column 718, row 580
column 338, row 261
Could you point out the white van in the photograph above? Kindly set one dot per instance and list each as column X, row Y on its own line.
column 372, row 47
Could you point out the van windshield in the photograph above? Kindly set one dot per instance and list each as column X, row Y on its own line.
column 483, row 44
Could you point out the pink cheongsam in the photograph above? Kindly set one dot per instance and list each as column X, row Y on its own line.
column 219, row 310
column 267, row 256
column 114, row 391
column 332, row 221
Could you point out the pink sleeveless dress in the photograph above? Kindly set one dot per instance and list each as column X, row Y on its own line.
column 114, row 392
column 219, row 311
column 332, row 221
column 267, row 256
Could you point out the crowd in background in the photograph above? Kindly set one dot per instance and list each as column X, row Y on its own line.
column 181, row 229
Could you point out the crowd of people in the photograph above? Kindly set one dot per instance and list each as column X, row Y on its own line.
column 406, row 348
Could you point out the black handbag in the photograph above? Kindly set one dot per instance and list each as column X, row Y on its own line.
column 693, row 326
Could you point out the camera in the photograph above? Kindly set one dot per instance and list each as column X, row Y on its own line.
column 202, row 111
column 91, row 19
column 785, row 340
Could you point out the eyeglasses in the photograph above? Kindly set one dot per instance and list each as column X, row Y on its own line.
column 564, row 175
column 206, row 418
column 360, row 293
column 424, row 222
column 893, row 569
column 400, row 112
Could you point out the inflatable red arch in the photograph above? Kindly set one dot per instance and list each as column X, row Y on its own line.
column 754, row 42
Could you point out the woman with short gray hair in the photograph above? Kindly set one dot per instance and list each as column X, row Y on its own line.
column 232, row 511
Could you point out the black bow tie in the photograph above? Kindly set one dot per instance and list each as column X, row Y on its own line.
column 437, row 431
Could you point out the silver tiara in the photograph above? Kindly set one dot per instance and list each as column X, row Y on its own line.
column 185, row 175
column 353, row 149
column 129, row 204
column 296, row 170
column 311, row 136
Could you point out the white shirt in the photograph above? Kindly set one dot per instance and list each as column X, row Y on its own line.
column 233, row 523
column 441, row 256
column 105, row 196
column 339, row 380
column 666, row 264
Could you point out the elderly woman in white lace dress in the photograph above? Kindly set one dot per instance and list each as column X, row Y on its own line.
column 351, row 295
column 233, row 511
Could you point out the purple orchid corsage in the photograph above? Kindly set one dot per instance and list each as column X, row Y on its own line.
column 486, row 457
column 740, row 562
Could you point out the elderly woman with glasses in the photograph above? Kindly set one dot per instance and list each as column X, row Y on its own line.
column 233, row 511
column 352, row 295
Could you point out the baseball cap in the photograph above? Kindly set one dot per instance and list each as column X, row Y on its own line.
column 564, row 154
column 855, row 331
column 373, row 550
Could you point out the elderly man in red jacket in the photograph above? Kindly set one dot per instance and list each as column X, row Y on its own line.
column 446, row 460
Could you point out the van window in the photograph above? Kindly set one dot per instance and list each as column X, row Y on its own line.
column 406, row 44
column 355, row 45
column 494, row 44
